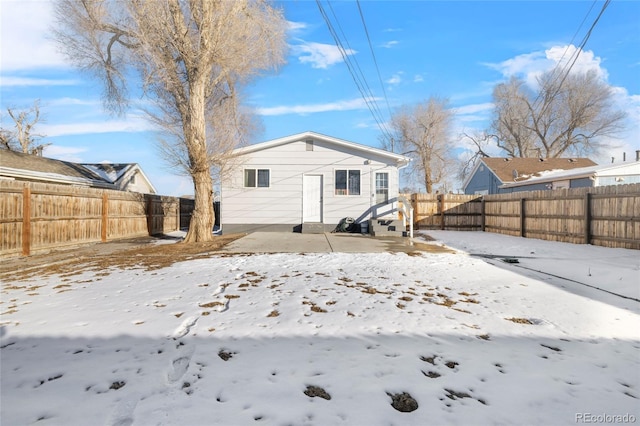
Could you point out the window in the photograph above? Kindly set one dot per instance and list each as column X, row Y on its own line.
column 256, row 178
column 347, row 182
column 382, row 188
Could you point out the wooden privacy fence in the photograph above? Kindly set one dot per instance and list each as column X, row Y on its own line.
column 38, row 216
column 606, row 216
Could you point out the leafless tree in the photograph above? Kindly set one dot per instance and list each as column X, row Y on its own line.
column 230, row 125
column 566, row 116
column 422, row 131
column 479, row 142
column 190, row 56
column 23, row 138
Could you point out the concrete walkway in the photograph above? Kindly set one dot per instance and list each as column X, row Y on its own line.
column 291, row 242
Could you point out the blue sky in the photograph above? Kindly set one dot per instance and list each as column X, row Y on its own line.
column 454, row 49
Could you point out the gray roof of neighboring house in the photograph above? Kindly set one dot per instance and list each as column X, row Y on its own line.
column 580, row 172
column 32, row 167
column 504, row 168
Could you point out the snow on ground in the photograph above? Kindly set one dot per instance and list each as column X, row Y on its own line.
column 239, row 339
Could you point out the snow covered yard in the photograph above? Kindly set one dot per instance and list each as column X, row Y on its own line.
column 330, row 339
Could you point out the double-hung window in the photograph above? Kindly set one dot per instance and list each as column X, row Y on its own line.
column 256, row 178
column 347, row 182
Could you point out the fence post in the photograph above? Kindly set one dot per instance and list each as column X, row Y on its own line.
column 522, row 217
column 105, row 216
column 587, row 218
column 482, row 210
column 176, row 202
column 441, row 199
column 26, row 221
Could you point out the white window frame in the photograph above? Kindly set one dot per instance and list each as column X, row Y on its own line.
column 347, row 194
column 257, row 173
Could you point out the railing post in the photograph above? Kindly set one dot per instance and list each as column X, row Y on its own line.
column 411, row 222
column 26, row 221
column 587, row 218
column 441, row 199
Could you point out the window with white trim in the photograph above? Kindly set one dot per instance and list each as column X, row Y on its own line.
column 256, row 178
column 347, row 182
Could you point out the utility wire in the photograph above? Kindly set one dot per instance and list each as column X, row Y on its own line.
column 375, row 61
column 566, row 69
column 353, row 66
column 361, row 77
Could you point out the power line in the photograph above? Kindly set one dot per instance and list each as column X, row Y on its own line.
column 354, row 69
column 374, row 57
column 566, row 68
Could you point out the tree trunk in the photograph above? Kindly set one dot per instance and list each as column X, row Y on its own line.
column 202, row 218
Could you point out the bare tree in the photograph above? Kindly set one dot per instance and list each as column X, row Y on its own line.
column 422, row 131
column 23, row 138
column 568, row 115
column 189, row 55
column 479, row 142
column 229, row 126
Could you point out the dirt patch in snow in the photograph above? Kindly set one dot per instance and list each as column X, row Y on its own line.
column 103, row 257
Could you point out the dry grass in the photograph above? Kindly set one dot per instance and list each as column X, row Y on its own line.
column 520, row 320
column 148, row 257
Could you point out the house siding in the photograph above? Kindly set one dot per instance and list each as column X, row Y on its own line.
column 279, row 207
column 483, row 180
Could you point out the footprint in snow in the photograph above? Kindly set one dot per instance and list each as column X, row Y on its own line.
column 180, row 364
column 185, row 327
column 219, row 290
column 123, row 413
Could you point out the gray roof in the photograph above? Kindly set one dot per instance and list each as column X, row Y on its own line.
column 17, row 165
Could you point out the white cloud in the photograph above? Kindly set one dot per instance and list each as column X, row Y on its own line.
column 296, row 26
column 418, row 78
column 73, row 101
column 64, row 153
column 389, row 44
column 392, row 30
column 34, row 81
column 133, row 125
column 474, row 112
column 319, row 55
column 395, row 79
column 347, row 105
column 531, row 65
column 587, row 61
column 24, row 36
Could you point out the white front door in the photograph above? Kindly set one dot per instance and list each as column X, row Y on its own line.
column 312, row 198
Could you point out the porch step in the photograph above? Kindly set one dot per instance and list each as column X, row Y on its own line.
column 387, row 228
column 312, row 228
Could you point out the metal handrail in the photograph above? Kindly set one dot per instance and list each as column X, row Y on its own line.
column 407, row 210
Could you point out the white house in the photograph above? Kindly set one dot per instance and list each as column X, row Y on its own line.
column 309, row 182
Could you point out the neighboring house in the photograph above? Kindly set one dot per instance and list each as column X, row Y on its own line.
column 126, row 176
column 309, row 182
column 612, row 174
column 33, row 168
column 490, row 174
